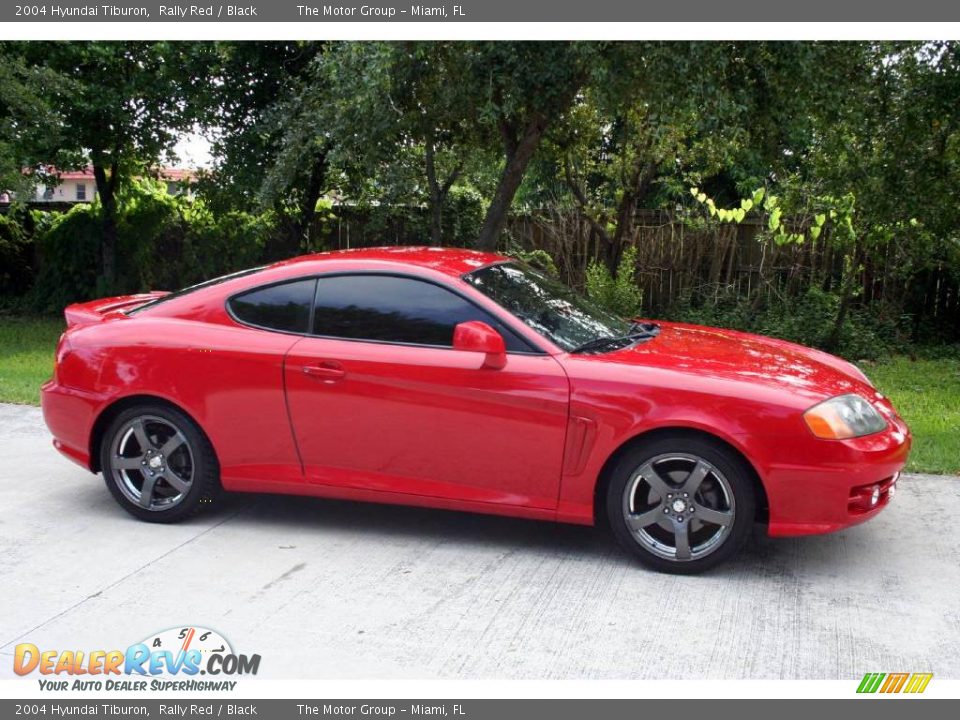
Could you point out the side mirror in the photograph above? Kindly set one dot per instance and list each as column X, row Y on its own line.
column 477, row 336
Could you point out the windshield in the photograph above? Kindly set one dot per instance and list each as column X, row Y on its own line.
column 547, row 305
column 192, row 288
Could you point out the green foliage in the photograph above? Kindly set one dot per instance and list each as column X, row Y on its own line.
column 68, row 245
column 30, row 127
column 896, row 140
column 432, row 141
column 225, row 243
column 658, row 116
column 244, row 101
column 408, row 123
column 147, row 217
column 165, row 242
column 126, row 101
column 539, row 259
column 617, row 292
column 808, row 320
column 120, row 107
column 463, row 211
column 768, row 207
column 16, row 253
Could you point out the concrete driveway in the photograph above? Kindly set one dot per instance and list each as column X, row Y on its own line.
column 337, row 589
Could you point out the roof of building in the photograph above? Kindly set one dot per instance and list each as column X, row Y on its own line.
column 165, row 173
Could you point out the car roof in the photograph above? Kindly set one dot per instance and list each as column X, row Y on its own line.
column 450, row 261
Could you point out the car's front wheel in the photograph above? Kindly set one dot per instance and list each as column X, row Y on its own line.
column 681, row 504
column 158, row 464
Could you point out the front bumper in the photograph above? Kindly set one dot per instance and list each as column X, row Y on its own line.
column 834, row 491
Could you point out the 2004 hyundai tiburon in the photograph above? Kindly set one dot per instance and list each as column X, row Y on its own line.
column 468, row 381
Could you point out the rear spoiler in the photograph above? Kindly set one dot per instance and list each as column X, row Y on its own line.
column 99, row 310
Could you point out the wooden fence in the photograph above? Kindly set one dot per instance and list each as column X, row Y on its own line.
column 731, row 261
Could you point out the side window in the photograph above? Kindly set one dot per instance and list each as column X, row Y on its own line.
column 387, row 308
column 284, row 307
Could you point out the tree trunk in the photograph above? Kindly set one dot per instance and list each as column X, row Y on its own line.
column 846, row 298
column 596, row 227
column 436, row 222
column 519, row 154
column 636, row 190
column 436, row 202
column 438, row 191
column 108, row 247
column 311, row 195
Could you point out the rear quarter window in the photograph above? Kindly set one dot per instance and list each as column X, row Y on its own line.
column 284, row 307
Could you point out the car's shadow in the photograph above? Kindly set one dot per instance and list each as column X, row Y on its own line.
column 762, row 556
column 292, row 515
column 288, row 516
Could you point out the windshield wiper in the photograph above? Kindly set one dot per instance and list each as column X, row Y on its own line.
column 600, row 343
column 638, row 331
column 644, row 329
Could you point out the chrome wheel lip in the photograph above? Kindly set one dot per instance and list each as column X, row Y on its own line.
column 153, row 461
column 668, row 519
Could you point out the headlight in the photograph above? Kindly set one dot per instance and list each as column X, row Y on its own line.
column 842, row 417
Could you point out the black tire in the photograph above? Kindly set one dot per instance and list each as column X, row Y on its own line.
column 726, row 487
column 192, row 457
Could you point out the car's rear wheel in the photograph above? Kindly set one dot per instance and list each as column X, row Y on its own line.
column 681, row 504
column 158, row 464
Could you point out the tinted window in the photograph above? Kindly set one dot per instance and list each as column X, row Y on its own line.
column 278, row 307
column 547, row 305
column 395, row 309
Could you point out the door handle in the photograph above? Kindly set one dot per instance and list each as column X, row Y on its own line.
column 327, row 371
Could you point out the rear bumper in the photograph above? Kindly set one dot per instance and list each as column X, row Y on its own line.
column 69, row 414
column 835, row 493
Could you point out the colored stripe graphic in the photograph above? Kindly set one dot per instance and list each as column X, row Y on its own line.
column 870, row 682
column 894, row 682
column 918, row 683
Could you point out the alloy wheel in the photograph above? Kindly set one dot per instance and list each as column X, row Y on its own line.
column 679, row 506
column 152, row 462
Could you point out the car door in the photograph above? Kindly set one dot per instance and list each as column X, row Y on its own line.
column 237, row 373
column 380, row 400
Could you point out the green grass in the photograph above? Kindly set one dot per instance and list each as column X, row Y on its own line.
column 926, row 392
column 927, row 395
column 26, row 356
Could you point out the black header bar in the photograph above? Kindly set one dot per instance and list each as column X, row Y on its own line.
column 531, row 11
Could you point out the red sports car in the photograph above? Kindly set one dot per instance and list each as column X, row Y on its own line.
column 468, row 381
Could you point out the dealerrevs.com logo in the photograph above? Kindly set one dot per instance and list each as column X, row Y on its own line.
column 169, row 660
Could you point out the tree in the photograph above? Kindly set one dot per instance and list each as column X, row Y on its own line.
column 245, row 107
column 385, row 108
column 30, row 126
column 393, row 128
column 636, row 122
column 126, row 106
column 895, row 144
column 424, row 79
column 657, row 118
column 519, row 91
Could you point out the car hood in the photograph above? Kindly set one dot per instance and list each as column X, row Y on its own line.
column 737, row 356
